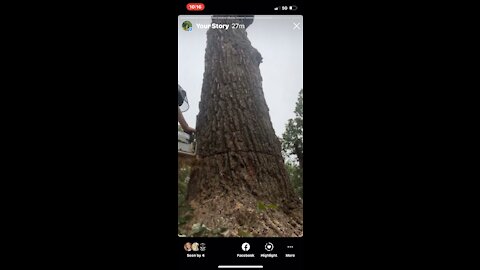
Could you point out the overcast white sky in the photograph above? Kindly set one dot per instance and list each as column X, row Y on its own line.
column 282, row 69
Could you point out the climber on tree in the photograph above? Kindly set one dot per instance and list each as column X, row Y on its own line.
column 182, row 99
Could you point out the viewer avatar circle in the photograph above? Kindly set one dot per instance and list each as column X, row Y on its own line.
column 187, row 26
column 203, row 247
column 269, row 246
column 195, row 246
column 187, row 246
column 245, row 246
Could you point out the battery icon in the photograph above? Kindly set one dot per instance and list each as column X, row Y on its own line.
column 293, row 7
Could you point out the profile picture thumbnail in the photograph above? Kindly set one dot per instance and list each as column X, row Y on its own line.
column 187, row 246
column 195, row 246
column 187, row 26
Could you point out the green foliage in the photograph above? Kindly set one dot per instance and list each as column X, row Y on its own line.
column 261, row 206
column 292, row 146
column 198, row 229
column 292, row 139
column 295, row 173
column 184, row 210
column 242, row 233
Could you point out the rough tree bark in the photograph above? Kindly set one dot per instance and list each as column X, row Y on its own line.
column 240, row 165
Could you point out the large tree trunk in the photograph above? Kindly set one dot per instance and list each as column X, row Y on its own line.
column 239, row 182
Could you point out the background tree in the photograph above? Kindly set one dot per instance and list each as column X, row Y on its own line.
column 292, row 142
column 292, row 146
column 240, row 183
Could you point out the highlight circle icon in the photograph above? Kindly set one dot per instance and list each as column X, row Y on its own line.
column 187, row 26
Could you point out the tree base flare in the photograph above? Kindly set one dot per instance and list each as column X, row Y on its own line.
column 228, row 216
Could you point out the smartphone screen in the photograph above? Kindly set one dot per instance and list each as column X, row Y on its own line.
column 240, row 136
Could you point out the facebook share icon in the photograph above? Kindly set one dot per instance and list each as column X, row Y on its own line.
column 245, row 246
